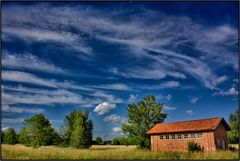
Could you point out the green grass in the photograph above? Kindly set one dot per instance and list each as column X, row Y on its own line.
column 104, row 152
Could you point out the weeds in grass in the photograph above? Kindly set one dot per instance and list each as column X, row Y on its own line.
column 104, row 152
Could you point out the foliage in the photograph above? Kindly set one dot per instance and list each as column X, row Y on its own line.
column 98, row 140
column 78, row 129
column 37, row 131
column 124, row 141
column 192, row 146
column 142, row 117
column 106, row 152
column 10, row 137
column 233, row 135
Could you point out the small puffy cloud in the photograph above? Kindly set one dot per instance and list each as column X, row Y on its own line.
column 104, row 107
column 168, row 97
column 190, row 112
column 132, row 98
column 168, row 108
column 194, row 100
column 117, row 129
column 112, row 118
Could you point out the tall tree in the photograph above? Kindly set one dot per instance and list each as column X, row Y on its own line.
column 233, row 135
column 10, row 136
column 37, row 131
column 142, row 117
column 78, row 129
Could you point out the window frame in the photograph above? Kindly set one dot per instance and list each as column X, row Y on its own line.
column 174, row 137
column 186, row 134
column 180, row 137
column 192, row 134
column 167, row 137
column 161, row 137
column 199, row 135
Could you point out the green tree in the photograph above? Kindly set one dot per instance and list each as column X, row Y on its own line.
column 37, row 131
column 23, row 137
column 98, row 140
column 78, row 129
column 233, row 135
column 10, row 136
column 142, row 117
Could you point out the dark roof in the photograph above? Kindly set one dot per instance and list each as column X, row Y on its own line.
column 189, row 126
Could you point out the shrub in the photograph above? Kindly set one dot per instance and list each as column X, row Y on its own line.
column 192, row 146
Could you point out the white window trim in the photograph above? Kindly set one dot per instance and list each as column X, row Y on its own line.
column 174, row 137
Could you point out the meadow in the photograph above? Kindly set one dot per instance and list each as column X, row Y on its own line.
column 104, row 152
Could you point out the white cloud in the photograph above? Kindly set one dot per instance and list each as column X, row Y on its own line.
column 166, row 107
column 166, row 84
column 117, row 129
column 118, row 86
column 194, row 100
column 103, row 108
column 216, row 46
column 23, row 77
column 107, row 97
column 220, row 79
column 132, row 98
column 29, row 61
column 67, row 39
column 7, row 108
column 168, row 97
column 232, row 91
column 12, row 120
column 190, row 112
column 112, row 118
column 5, row 128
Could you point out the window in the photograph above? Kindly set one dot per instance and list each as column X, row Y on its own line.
column 199, row 135
column 167, row 137
column 192, row 136
column 185, row 136
column 179, row 136
column 173, row 136
column 161, row 137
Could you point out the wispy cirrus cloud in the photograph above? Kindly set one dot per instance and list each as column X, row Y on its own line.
column 7, row 108
column 166, row 41
column 30, row 62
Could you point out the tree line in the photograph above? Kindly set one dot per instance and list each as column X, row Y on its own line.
column 77, row 130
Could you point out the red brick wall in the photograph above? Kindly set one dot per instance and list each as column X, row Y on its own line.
column 220, row 134
column 207, row 141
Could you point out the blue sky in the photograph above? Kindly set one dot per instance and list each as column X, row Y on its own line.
column 103, row 56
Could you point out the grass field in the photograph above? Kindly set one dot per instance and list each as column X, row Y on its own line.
column 104, row 152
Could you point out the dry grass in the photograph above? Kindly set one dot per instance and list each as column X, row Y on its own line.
column 103, row 152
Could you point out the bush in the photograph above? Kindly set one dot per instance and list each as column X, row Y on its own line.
column 192, row 146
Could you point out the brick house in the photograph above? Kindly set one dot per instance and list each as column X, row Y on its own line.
column 174, row 136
